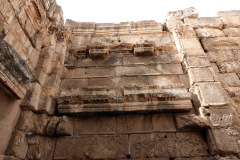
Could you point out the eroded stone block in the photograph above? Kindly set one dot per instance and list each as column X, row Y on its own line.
column 209, row 32
column 163, row 122
column 197, row 75
column 229, row 80
column 92, row 72
column 92, row 147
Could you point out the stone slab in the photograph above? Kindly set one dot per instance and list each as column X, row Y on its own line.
column 160, row 69
column 152, row 145
column 146, row 60
column 163, row 80
column 138, row 123
column 110, row 61
column 163, row 122
column 212, row 94
column 229, row 80
column 95, row 125
column 91, row 72
column 209, row 32
column 92, row 147
column 74, row 83
column 200, row 75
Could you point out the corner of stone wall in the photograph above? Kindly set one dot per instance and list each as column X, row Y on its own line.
column 196, row 39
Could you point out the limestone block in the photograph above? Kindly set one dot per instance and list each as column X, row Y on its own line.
column 159, row 69
column 232, row 32
column 231, row 21
column 65, row 126
column 229, row 80
column 58, row 57
column 33, row 58
column 140, row 123
column 32, row 97
column 177, row 58
column 184, row 79
column 190, row 12
column 61, row 47
column 209, row 32
column 221, row 43
column 95, row 125
column 152, row 145
column 190, row 122
column 190, row 144
column 92, row 147
column 74, row 83
column 228, row 13
column 163, row 122
column 70, row 62
column 190, row 46
column 185, row 31
column 30, row 122
column 46, row 103
column 217, row 56
column 212, row 94
column 232, row 67
column 196, row 62
column 3, row 157
column 206, row 22
column 215, row 67
column 220, row 117
column 197, row 75
column 40, row 147
column 18, row 146
column 127, row 61
column 222, row 141
column 146, row 26
column 110, row 61
column 163, row 80
column 108, row 82
column 40, row 76
column 121, row 47
column 92, row 72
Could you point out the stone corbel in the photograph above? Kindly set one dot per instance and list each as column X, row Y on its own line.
column 121, row 47
column 98, row 51
column 144, row 49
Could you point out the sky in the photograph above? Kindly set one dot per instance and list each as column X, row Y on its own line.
column 112, row 11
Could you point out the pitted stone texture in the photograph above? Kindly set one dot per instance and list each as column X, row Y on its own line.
column 41, row 147
column 163, row 122
column 200, row 75
column 206, row 22
column 92, row 147
column 209, row 32
column 152, row 145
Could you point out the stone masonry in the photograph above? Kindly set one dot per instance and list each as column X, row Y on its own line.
column 133, row 90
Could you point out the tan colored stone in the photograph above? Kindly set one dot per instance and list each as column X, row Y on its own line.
column 127, row 61
column 65, row 126
column 209, row 32
column 190, row 46
column 212, row 94
column 40, row 147
column 197, row 75
column 190, row 144
column 231, row 21
column 152, row 145
column 229, row 80
column 160, row 69
column 139, row 123
column 232, row 32
column 184, row 79
column 110, row 61
column 163, row 122
column 95, row 125
column 18, row 145
column 92, row 147
column 163, row 80
column 90, row 72
column 196, row 62
column 206, row 22
column 74, row 83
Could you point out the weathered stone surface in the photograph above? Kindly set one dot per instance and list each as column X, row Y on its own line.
column 41, row 147
column 190, row 46
column 146, row 60
column 65, row 126
column 90, row 72
column 163, row 80
column 139, row 123
column 206, row 22
column 229, row 80
column 110, row 61
column 149, row 70
column 92, row 147
column 212, row 94
column 196, row 62
column 163, row 122
column 95, row 125
column 18, row 145
column 230, row 21
column 74, row 83
column 197, row 75
column 223, row 140
column 187, row 122
column 232, row 32
column 152, row 145
column 190, row 144
column 209, row 32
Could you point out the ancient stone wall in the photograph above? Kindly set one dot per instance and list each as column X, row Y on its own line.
column 134, row 90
